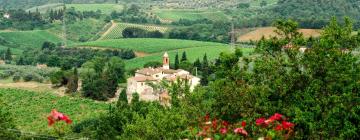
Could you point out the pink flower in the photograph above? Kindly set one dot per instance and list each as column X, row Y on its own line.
column 241, row 131
column 278, row 127
column 223, row 130
column 287, row 125
column 276, row 116
column 243, row 123
column 260, row 121
column 57, row 116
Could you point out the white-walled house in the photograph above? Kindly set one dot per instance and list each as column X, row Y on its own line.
column 139, row 83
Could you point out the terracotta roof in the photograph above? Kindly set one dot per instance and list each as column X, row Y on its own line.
column 142, row 78
column 149, row 71
column 183, row 76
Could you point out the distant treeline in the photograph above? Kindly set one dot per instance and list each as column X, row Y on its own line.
column 308, row 13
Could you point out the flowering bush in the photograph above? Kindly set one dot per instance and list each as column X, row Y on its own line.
column 275, row 126
column 55, row 117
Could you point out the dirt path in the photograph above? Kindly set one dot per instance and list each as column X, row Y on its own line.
column 113, row 25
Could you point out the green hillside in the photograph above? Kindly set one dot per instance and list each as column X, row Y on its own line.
column 212, row 52
column 30, row 109
column 29, row 38
column 85, row 29
column 148, row 45
column 115, row 32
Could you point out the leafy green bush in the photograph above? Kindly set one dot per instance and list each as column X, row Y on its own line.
column 16, row 77
column 28, row 77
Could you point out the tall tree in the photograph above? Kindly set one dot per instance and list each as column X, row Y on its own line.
column 8, row 55
column 176, row 65
column 184, row 57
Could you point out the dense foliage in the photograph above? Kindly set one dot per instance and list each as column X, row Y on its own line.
column 309, row 13
column 67, row 58
column 101, row 78
column 317, row 91
column 7, row 125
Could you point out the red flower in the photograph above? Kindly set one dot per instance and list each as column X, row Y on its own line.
column 214, row 124
column 225, row 123
column 278, row 127
column 57, row 116
column 243, row 123
column 276, row 116
column 223, row 130
column 51, row 121
column 241, row 131
column 260, row 121
column 207, row 117
column 287, row 125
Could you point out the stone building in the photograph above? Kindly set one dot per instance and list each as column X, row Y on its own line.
column 140, row 82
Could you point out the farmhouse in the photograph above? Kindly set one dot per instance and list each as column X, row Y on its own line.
column 140, row 82
column 6, row 15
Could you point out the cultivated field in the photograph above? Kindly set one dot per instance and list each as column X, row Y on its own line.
column 105, row 8
column 257, row 33
column 176, row 14
column 29, row 38
column 30, row 109
column 148, row 45
column 212, row 52
column 115, row 32
column 84, row 29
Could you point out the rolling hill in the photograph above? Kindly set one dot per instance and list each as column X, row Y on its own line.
column 153, row 49
column 147, row 45
column 24, row 39
column 115, row 31
column 192, row 54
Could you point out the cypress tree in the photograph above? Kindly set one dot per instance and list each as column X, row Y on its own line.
column 205, row 71
column 73, row 80
column 183, row 58
column 123, row 96
column 176, row 65
column 8, row 55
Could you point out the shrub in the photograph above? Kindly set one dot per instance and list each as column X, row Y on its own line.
column 16, row 77
column 28, row 77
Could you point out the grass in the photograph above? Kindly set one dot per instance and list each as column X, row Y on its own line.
column 30, row 109
column 174, row 15
column 105, row 8
column 15, row 51
column 212, row 52
column 148, row 45
column 30, row 38
column 116, row 32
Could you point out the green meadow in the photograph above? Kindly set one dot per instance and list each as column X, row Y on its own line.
column 148, row 45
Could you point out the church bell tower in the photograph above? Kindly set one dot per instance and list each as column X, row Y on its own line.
column 166, row 61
